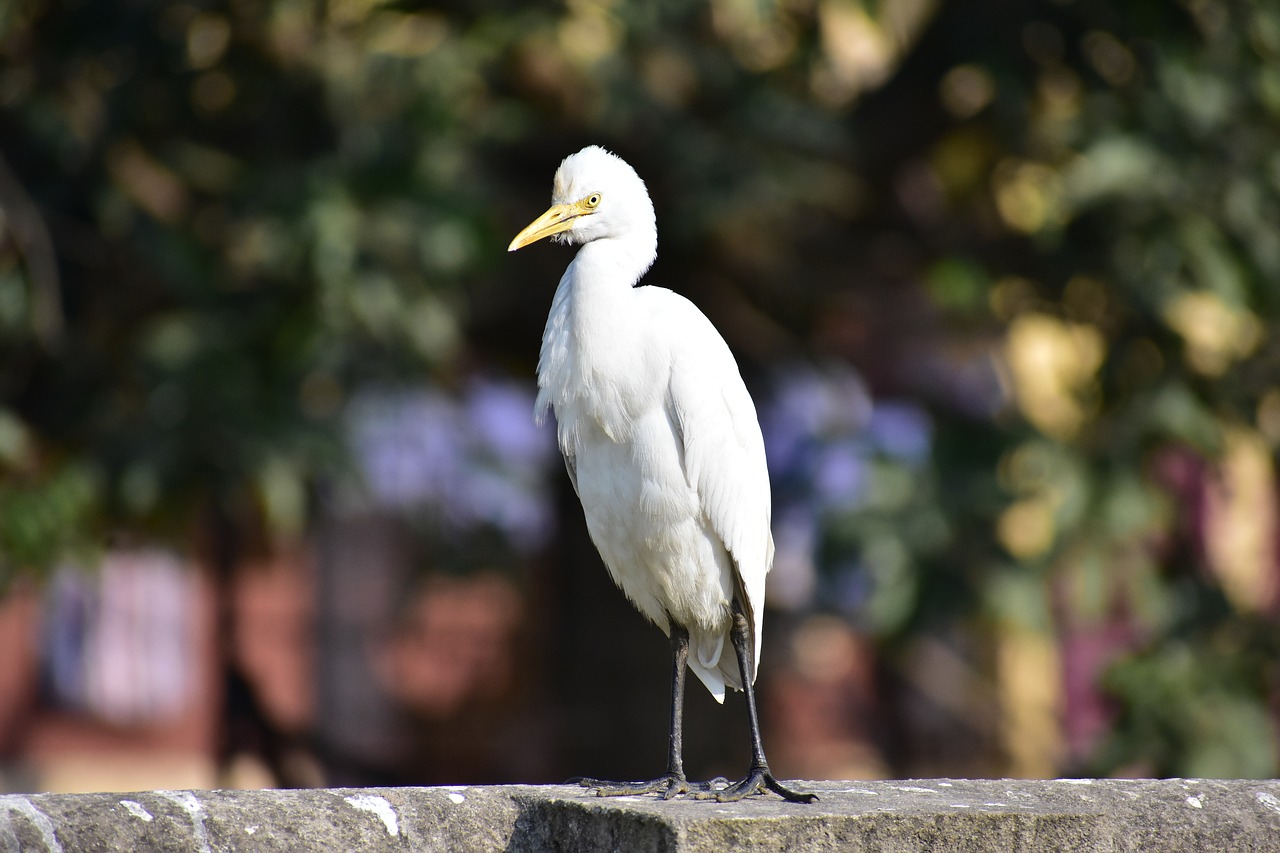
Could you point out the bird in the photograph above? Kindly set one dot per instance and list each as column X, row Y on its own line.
column 663, row 447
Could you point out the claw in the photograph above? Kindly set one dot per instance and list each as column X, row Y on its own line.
column 759, row 781
column 669, row 787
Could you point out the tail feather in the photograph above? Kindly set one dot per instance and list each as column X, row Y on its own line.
column 713, row 660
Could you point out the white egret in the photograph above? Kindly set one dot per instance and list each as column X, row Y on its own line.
column 661, row 441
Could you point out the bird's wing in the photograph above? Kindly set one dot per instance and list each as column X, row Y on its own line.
column 571, row 465
column 724, row 458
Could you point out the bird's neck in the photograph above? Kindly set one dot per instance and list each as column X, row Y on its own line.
column 616, row 262
column 602, row 278
column 596, row 338
column 600, row 281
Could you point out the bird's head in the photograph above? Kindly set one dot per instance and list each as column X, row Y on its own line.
column 596, row 196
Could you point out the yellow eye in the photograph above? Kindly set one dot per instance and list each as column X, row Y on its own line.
column 593, row 200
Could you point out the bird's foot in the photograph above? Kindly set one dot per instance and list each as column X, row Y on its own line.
column 669, row 786
column 758, row 781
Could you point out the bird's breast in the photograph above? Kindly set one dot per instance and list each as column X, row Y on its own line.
column 602, row 367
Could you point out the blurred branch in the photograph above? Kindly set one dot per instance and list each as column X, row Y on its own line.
column 35, row 244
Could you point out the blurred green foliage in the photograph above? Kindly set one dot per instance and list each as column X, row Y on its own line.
column 218, row 219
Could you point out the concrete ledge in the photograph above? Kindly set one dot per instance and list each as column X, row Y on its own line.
column 925, row 815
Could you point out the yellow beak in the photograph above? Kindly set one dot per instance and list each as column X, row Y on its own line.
column 559, row 218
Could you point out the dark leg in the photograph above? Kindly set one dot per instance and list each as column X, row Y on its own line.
column 673, row 783
column 758, row 779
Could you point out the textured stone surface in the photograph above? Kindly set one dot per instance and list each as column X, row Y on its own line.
column 926, row 815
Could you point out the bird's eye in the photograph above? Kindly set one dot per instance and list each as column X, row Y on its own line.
column 593, row 200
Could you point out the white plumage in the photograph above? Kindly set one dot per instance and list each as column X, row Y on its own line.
column 659, row 434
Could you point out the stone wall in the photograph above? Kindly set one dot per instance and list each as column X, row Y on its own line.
column 926, row 815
